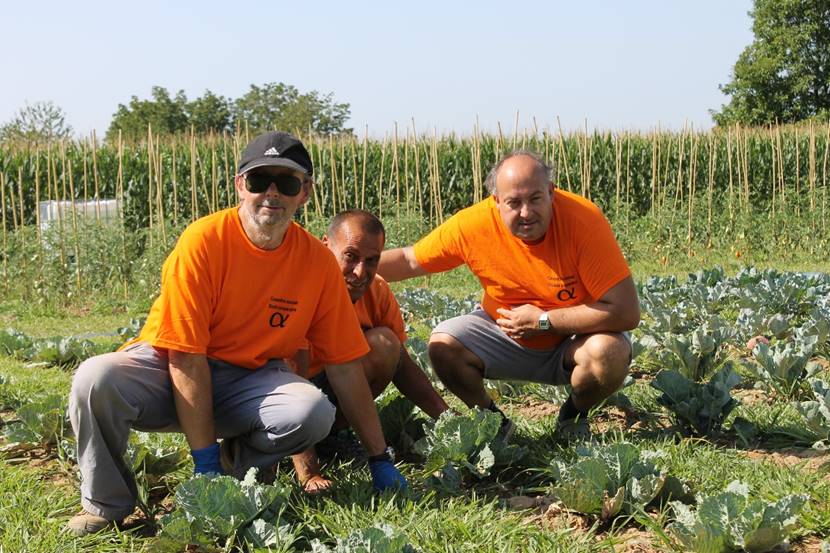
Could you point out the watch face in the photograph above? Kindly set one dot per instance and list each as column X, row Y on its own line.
column 544, row 322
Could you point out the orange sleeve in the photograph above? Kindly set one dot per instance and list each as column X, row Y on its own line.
column 600, row 260
column 442, row 249
column 185, row 303
column 335, row 334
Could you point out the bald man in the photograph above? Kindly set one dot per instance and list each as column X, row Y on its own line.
column 356, row 238
column 558, row 293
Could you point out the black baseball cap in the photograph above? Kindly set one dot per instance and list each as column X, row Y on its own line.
column 278, row 149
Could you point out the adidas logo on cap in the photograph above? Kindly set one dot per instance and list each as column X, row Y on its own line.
column 271, row 152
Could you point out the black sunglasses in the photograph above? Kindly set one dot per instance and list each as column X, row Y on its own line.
column 287, row 185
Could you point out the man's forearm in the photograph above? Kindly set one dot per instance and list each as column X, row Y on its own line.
column 414, row 384
column 193, row 395
column 399, row 264
column 588, row 319
column 357, row 404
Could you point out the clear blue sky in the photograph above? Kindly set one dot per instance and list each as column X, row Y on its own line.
column 621, row 65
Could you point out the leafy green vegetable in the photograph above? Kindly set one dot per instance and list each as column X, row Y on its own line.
column 611, row 479
column 817, row 413
column 42, row 421
column 731, row 520
column 380, row 538
column 783, row 366
column 463, row 442
column 702, row 407
column 212, row 510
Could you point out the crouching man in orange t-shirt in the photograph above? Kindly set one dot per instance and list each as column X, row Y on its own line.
column 356, row 239
column 558, row 293
column 243, row 289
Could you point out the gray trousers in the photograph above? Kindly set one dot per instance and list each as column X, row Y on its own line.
column 271, row 411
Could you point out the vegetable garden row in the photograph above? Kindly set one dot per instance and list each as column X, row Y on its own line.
column 725, row 367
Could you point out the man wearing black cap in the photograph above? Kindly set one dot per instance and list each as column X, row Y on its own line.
column 243, row 289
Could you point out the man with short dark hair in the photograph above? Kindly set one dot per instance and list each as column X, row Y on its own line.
column 243, row 289
column 558, row 293
column 356, row 238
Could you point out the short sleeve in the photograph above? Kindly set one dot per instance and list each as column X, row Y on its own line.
column 600, row 260
column 442, row 249
column 185, row 303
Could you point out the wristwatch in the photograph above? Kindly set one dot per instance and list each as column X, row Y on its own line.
column 387, row 455
column 544, row 321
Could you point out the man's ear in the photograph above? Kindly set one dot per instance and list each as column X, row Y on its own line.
column 239, row 183
column 325, row 239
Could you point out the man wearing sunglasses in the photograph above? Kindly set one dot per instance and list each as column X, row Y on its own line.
column 243, row 289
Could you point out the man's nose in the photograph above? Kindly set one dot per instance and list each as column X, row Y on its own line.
column 524, row 211
column 359, row 269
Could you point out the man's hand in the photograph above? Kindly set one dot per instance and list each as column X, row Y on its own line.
column 385, row 476
column 520, row 322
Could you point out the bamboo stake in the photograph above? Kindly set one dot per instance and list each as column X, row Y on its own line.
column 515, row 130
column 20, row 197
column 160, row 194
column 746, row 170
column 396, row 172
column 797, row 174
column 353, row 150
column 774, row 168
column 37, row 214
column 380, row 176
column 333, row 170
column 655, row 171
column 13, row 206
column 811, row 175
column 824, row 180
column 5, row 238
column 75, row 230
column 564, row 155
column 627, row 175
column 342, row 162
column 175, row 185
column 95, row 177
column 229, row 188
column 617, row 174
column 150, row 199
column 85, row 173
column 194, row 198
column 60, row 199
column 363, row 168
column 406, row 172
column 417, row 158
column 214, row 180
column 713, row 154
column 119, row 195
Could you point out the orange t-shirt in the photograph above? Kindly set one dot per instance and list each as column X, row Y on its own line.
column 576, row 263
column 224, row 297
column 376, row 307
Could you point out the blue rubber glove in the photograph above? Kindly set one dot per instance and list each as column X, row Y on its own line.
column 206, row 460
column 386, row 476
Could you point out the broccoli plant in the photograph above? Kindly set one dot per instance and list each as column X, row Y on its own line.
column 701, row 407
column 221, row 511
column 458, row 444
column 380, row 538
column 732, row 520
column 611, row 479
column 783, row 366
column 42, row 421
column 816, row 413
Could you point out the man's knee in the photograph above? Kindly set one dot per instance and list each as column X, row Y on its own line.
column 385, row 352
column 314, row 415
column 446, row 353
column 96, row 381
column 605, row 355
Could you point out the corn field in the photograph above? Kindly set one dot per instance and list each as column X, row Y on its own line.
column 695, row 184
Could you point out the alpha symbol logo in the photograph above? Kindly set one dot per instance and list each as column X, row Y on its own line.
column 271, row 152
column 278, row 319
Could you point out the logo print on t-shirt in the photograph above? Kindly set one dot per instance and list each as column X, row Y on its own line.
column 566, row 287
column 282, row 309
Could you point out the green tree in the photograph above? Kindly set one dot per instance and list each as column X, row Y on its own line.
column 784, row 75
column 210, row 113
column 37, row 122
column 166, row 115
column 281, row 106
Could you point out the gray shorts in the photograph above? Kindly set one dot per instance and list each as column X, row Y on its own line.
column 503, row 357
